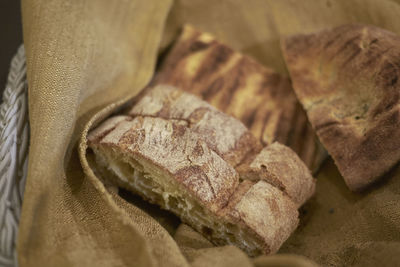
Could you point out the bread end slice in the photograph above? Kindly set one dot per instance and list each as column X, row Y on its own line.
column 280, row 166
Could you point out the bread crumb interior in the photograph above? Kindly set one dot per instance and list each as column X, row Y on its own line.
column 153, row 185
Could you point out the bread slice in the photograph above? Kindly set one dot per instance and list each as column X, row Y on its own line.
column 259, row 97
column 280, row 166
column 347, row 80
column 179, row 152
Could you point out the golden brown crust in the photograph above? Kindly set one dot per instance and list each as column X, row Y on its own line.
column 228, row 137
column 106, row 127
column 173, row 148
column 239, row 86
column 266, row 212
column 347, row 80
column 280, row 166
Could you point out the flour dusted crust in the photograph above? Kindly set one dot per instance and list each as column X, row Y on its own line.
column 347, row 79
column 227, row 136
column 241, row 87
column 170, row 146
column 266, row 211
column 177, row 151
column 280, row 166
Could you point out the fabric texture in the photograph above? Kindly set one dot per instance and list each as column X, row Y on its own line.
column 14, row 138
column 85, row 59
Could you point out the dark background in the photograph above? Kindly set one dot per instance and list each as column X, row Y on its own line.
column 10, row 36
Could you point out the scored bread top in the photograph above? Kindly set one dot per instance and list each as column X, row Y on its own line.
column 347, row 79
column 227, row 136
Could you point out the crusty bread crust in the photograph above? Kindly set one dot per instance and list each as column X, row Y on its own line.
column 266, row 211
column 280, row 166
column 347, row 80
column 228, row 137
column 173, row 148
column 241, row 87
column 183, row 147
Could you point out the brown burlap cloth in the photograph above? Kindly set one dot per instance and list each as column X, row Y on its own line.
column 83, row 56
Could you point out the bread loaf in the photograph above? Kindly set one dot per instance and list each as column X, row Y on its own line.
column 179, row 152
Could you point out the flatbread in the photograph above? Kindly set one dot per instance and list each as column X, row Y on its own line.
column 347, row 80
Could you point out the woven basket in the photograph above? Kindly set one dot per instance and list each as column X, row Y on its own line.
column 14, row 139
